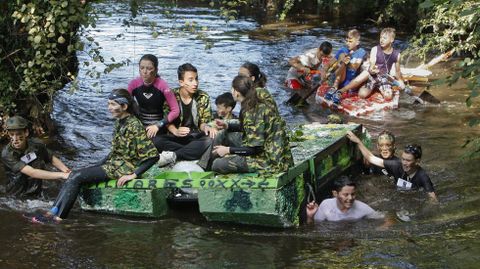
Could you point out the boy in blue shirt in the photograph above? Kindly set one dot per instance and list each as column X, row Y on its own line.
column 350, row 60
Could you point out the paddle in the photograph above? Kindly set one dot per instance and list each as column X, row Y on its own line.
column 425, row 96
column 297, row 100
column 421, row 98
column 439, row 58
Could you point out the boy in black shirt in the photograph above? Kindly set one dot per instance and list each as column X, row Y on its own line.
column 407, row 171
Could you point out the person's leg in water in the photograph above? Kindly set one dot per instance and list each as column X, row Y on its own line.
column 69, row 192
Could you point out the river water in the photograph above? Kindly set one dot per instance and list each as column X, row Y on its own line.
column 442, row 236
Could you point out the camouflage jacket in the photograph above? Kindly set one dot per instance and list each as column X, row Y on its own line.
column 201, row 109
column 130, row 147
column 264, row 127
column 264, row 95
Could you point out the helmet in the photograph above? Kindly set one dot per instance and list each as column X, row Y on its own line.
column 16, row 122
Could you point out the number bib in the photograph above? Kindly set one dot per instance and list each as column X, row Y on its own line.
column 28, row 158
column 406, row 185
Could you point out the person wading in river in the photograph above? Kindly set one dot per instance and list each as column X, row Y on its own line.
column 25, row 160
column 386, row 149
column 342, row 206
column 407, row 171
column 132, row 154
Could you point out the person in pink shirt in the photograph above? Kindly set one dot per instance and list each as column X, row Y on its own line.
column 151, row 92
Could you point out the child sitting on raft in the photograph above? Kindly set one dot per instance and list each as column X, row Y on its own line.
column 311, row 65
column 225, row 105
column 383, row 58
column 350, row 60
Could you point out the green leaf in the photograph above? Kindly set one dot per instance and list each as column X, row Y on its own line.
column 61, row 40
column 467, row 12
column 426, row 4
column 468, row 102
column 473, row 122
column 37, row 39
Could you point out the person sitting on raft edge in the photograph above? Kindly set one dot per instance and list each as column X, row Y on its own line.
column 383, row 59
column 265, row 146
column 25, row 161
column 409, row 174
column 343, row 206
column 132, row 153
column 151, row 93
column 319, row 59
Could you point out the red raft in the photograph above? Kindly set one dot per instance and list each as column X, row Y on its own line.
column 355, row 106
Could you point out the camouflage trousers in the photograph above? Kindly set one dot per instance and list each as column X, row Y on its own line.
column 231, row 164
column 229, row 139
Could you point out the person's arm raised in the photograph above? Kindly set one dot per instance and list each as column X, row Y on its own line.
column 367, row 154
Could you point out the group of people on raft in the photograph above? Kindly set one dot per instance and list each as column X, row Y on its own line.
column 155, row 124
column 349, row 73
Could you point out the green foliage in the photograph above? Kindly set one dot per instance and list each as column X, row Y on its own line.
column 397, row 13
column 454, row 24
column 38, row 44
column 229, row 9
column 39, row 40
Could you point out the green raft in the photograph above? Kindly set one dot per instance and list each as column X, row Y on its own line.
column 266, row 200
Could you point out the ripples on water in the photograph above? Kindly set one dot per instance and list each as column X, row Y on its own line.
column 436, row 237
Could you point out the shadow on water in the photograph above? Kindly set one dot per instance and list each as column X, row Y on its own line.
column 441, row 236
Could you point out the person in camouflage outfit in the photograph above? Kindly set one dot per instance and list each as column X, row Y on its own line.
column 265, row 146
column 189, row 135
column 132, row 153
column 25, row 162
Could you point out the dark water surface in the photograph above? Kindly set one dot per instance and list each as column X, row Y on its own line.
column 443, row 236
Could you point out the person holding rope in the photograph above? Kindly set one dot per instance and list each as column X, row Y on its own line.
column 343, row 206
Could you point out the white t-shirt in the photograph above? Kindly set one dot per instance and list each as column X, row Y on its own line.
column 328, row 210
column 309, row 58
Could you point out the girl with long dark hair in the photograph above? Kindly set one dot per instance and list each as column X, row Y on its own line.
column 265, row 146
